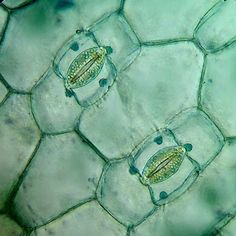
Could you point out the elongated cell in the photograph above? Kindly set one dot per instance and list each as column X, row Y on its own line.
column 163, row 164
column 86, row 67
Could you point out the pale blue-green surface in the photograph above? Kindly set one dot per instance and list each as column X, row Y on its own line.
column 72, row 166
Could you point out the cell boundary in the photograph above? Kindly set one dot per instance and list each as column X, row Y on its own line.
column 121, row 8
column 228, row 218
column 206, row 17
column 128, row 23
column 164, row 42
column 99, row 193
column 225, row 46
column 6, row 84
column 213, row 120
column 22, row 5
column 110, row 214
column 201, row 81
column 9, row 204
column 2, row 35
column 63, row 213
column 92, row 146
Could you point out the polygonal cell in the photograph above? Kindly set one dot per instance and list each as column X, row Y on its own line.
column 13, row 3
column 3, row 20
column 89, row 219
column 229, row 229
column 193, row 126
column 18, row 138
column 115, row 31
column 161, row 82
column 69, row 57
column 64, row 172
column 209, row 200
column 122, row 195
column 159, row 20
column 218, row 29
column 43, row 28
column 168, row 184
column 218, row 89
column 3, row 91
column 54, row 111
column 8, row 227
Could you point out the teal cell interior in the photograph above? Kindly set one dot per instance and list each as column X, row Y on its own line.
column 84, row 164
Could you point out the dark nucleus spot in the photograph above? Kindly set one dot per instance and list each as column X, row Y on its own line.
column 102, row 82
column 74, row 46
column 58, row 19
column 78, row 31
column 109, row 49
column 133, row 170
column 188, row 147
column 158, row 140
column 163, row 195
column 64, row 4
column 69, row 93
